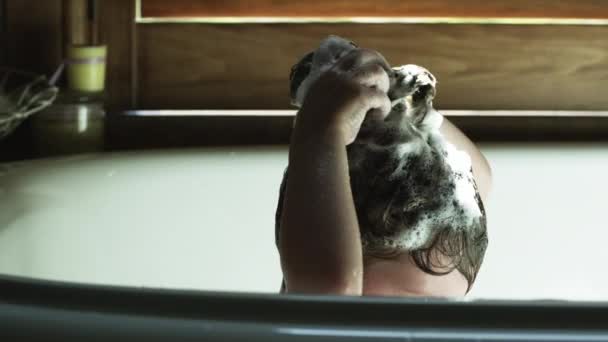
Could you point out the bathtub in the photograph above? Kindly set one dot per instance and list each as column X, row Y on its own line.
column 204, row 219
column 180, row 243
column 195, row 219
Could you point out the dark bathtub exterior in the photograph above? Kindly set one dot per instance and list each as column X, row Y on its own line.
column 42, row 310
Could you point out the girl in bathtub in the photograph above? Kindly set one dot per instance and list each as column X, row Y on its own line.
column 378, row 198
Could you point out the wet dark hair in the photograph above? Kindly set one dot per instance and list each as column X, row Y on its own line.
column 464, row 251
column 392, row 200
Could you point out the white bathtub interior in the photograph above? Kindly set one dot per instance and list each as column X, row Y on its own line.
column 204, row 219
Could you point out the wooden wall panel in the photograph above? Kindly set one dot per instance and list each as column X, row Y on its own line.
column 2, row 32
column 76, row 24
column 117, row 29
column 34, row 41
column 367, row 8
column 478, row 66
column 33, row 35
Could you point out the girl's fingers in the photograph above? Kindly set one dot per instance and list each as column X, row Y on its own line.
column 359, row 57
column 377, row 103
column 373, row 76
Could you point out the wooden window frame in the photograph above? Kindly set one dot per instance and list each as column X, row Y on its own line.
column 131, row 127
column 192, row 42
column 176, row 129
column 541, row 12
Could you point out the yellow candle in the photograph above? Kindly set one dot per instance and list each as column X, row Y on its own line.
column 86, row 67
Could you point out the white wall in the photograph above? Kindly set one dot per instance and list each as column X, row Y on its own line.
column 204, row 219
column 547, row 222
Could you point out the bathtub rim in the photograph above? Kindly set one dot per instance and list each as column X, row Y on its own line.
column 317, row 310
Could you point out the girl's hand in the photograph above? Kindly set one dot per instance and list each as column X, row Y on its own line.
column 344, row 95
